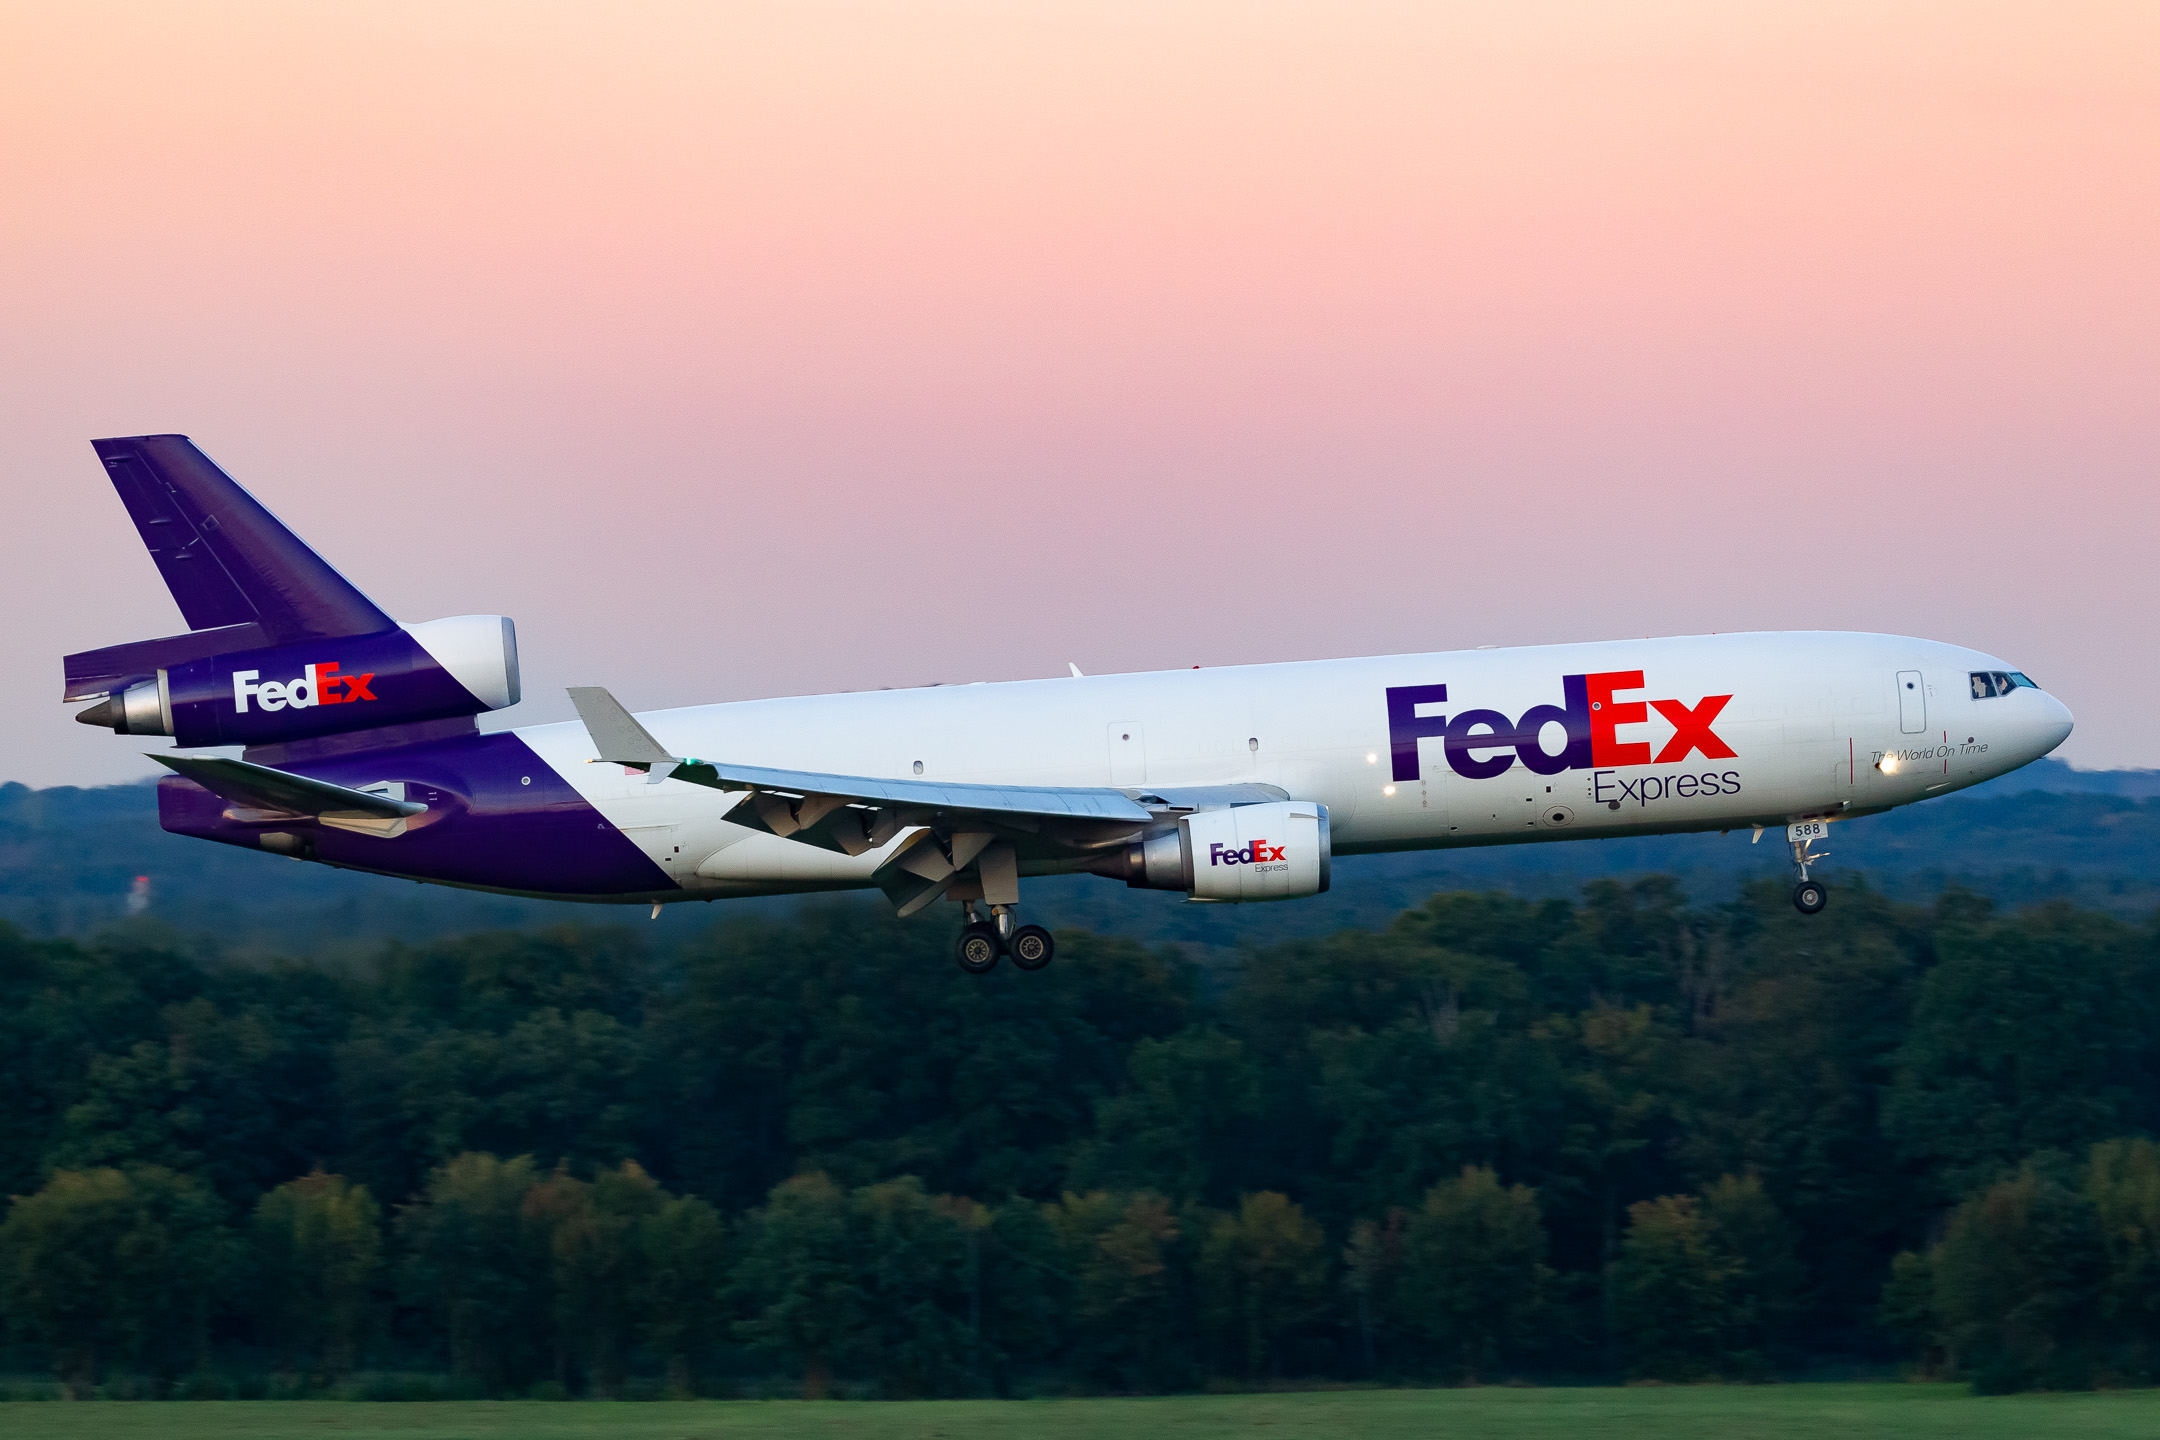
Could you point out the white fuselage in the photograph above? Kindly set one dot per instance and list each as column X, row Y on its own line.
column 1817, row 724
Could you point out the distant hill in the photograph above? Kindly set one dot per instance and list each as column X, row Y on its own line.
column 69, row 858
column 2058, row 777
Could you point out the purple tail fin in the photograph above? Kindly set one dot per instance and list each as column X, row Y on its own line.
column 226, row 559
column 231, row 565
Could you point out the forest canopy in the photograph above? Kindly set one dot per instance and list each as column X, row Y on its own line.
column 1496, row 1138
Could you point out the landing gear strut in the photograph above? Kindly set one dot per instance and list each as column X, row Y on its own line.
column 1809, row 896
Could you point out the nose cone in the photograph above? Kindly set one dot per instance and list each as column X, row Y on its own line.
column 2055, row 725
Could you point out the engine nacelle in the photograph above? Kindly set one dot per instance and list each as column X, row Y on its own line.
column 433, row 671
column 1273, row 851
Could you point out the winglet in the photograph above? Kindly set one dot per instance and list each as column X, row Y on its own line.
column 617, row 735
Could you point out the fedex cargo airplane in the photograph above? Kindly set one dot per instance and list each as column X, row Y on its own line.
column 359, row 749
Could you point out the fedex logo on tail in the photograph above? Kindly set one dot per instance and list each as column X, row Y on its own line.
column 319, row 685
column 1480, row 744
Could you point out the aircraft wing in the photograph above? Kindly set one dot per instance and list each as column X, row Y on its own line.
column 1030, row 802
column 261, row 793
column 955, row 825
column 793, row 803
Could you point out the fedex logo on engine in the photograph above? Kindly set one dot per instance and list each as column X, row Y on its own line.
column 1259, row 852
column 319, row 685
column 1480, row 744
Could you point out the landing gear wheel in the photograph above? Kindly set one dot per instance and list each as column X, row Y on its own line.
column 1808, row 897
column 1031, row 947
column 979, row 948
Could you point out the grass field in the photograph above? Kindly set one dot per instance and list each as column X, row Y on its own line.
column 1768, row 1412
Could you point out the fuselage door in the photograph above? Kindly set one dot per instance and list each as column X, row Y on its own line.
column 1128, row 752
column 1911, row 702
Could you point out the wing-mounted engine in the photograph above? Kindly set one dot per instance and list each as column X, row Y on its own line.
column 1277, row 850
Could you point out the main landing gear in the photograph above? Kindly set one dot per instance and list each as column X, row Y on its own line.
column 1031, row 947
column 979, row 947
column 1808, row 896
column 983, row 941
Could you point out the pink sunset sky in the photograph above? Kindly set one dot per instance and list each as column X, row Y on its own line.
column 755, row 349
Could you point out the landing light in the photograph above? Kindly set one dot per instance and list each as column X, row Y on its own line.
column 1372, row 759
column 1387, row 789
column 1888, row 764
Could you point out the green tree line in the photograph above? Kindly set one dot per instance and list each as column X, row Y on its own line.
column 1501, row 1138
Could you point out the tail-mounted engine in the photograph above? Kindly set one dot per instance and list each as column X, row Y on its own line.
column 1273, row 851
column 438, row 670
column 280, row 646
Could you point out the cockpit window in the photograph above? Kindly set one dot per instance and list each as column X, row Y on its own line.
column 1987, row 684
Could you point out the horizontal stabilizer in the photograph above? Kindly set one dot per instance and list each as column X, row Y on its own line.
column 100, row 672
column 269, row 795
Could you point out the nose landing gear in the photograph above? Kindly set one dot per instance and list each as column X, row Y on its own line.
column 1808, row 896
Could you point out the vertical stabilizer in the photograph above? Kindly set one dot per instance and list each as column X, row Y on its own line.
column 226, row 559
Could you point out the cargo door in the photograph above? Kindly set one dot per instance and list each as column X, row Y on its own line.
column 1911, row 702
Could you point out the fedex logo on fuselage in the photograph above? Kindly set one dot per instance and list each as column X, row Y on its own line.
column 319, row 685
column 1480, row 744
